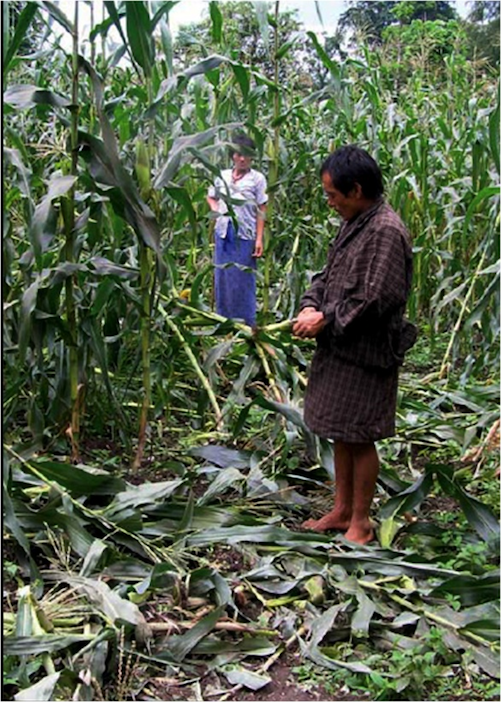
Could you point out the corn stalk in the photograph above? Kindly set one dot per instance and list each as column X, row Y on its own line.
column 147, row 285
column 273, row 175
column 145, row 257
column 196, row 367
column 68, row 209
column 139, row 32
column 464, row 307
column 5, row 28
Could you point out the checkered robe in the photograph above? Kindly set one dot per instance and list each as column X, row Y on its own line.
column 362, row 291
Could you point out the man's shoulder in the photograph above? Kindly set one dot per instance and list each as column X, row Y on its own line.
column 387, row 218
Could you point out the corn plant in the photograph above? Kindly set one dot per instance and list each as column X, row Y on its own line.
column 427, row 148
column 118, row 577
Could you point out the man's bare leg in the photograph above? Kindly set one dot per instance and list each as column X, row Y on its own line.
column 366, row 470
column 340, row 516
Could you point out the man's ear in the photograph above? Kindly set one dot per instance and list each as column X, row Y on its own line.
column 357, row 191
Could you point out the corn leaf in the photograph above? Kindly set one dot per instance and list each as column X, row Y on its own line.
column 160, row 9
column 224, row 480
column 328, row 63
column 217, row 21
column 143, row 496
column 222, row 456
column 115, row 608
column 34, row 645
column 181, row 196
column 180, row 646
column 484, row 194
column 58, row 15
column 470, row 589
column 13, row 156
column 202, row 67
column 22, row 26
column 181, row 148
column 238, row 675
column 78, row 480
column 139, row 33
column 409, row 498
column 319, row 657
column 494, row 129
column 478, row 515
column 249, row 646
column 24, row 96
column 41, row 690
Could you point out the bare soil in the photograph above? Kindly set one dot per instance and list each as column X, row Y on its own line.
column 284, row 687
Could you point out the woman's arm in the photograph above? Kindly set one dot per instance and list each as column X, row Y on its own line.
column 213, row 194
column 261, row 217
column 213, row 203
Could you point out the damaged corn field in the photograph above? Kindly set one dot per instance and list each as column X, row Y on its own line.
column 156, row 465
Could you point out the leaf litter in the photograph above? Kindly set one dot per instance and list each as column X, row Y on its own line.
column 223, row 596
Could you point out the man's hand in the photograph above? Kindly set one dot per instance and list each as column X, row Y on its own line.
column 309, row 323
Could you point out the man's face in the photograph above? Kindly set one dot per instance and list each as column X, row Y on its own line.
column 242, row 162
column 348, row 206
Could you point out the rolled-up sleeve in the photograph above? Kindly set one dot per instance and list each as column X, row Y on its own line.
column 214, row 190
column 260, row 189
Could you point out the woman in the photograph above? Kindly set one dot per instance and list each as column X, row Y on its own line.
column 355, row 309
column 239, row 198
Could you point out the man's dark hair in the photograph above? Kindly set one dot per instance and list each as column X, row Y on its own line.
column 351, row 164
column 242, row 144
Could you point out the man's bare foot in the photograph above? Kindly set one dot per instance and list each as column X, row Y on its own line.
column 360, row 533
column 331, row 520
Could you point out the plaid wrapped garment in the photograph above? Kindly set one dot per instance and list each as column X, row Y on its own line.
column 352, row 385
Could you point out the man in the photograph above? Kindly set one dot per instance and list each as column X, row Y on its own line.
column 355, row 310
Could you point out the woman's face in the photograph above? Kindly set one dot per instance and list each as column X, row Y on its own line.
column 348, row 206
column 242, row 162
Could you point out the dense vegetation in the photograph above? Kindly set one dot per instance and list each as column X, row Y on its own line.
column 156, row 464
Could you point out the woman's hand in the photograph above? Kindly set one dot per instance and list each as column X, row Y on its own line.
column 258, row 248
column 309, row 323
column 213, row 204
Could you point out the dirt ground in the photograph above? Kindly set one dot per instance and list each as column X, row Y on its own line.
column 284, row 687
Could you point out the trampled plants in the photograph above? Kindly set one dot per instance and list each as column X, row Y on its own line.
column 192, row 567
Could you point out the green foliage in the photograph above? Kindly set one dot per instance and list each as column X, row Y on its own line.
column 443, row 191
column 433, row 40
column 372, row 19
column 216, row 536
column 368, row 18
column 483, row 31
column 428, row 11
column 413, row 673
column 210, row 525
